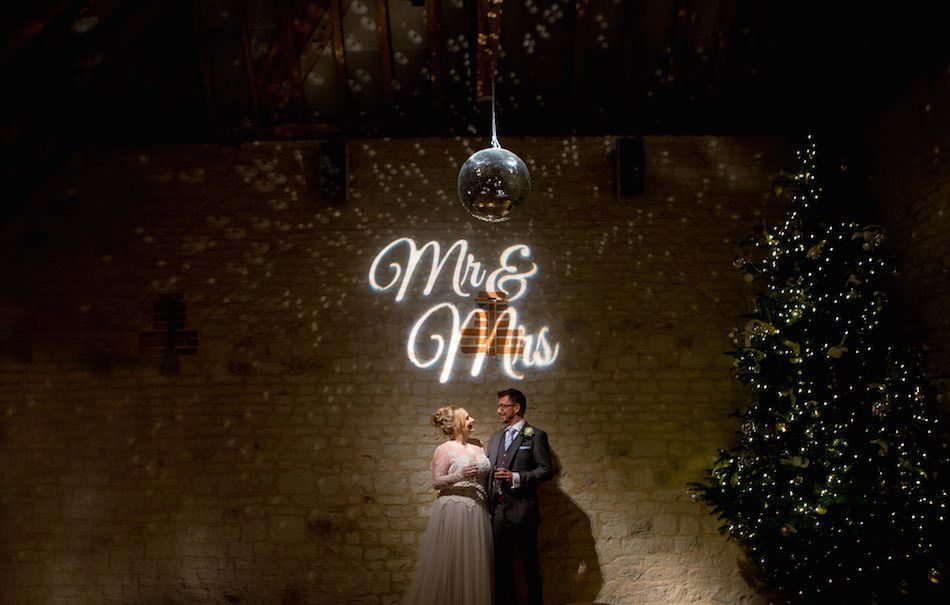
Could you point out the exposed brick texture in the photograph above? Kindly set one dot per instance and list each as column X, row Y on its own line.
column 911, row 187
column 286, row 462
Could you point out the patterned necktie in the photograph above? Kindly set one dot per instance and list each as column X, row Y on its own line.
column 509, row 436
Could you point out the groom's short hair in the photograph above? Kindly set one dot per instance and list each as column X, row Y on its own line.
column 515, row 396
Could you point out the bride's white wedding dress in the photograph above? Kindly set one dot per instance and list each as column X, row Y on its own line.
column 455, row 558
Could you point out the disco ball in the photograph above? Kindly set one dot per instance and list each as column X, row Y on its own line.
column 492, row 183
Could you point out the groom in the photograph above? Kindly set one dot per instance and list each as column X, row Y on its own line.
column 521, row 457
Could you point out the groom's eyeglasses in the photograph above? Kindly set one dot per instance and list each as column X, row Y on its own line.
column 507, row 405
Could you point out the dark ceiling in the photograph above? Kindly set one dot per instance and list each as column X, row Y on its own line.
column 87, row 72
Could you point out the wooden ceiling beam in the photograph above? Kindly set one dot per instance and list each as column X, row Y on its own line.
column 31, row 29
column 316, row 43
column 434, row 42
column 292, row 130
column 577, row 64
column 291, row 59
column 631, row 83
column 680, row 35
column 280, row 73
column 269, row 63
column 129, row 31
column 201, row 47
column 725, row 17
column 339, row 53
column 489, row 32
column 385, row 52
column 249, row 60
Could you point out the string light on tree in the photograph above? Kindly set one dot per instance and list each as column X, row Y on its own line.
column 838, row 484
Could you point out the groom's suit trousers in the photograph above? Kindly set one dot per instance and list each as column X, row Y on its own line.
column 512, row 541
column 515, row 512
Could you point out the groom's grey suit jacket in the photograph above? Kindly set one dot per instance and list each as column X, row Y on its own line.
column 530, row 457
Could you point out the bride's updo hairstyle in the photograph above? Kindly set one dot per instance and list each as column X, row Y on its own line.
column 450, row 419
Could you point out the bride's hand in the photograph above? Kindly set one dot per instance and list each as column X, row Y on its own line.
column 469, row 471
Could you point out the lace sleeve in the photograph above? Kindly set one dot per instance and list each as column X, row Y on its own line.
column 441, row 477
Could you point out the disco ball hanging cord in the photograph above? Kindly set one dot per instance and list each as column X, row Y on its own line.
column 493, row 181
column 494, row 127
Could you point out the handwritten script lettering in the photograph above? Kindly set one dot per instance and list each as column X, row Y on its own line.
column 394, row 268
column 405, row 256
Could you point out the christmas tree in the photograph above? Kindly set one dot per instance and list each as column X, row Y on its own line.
column 837, row 487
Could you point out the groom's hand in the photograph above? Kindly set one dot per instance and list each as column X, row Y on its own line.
column 503, row 474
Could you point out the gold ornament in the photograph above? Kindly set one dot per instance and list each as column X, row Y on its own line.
column 756, row 327
column 873, row 236
column 815, row 251
column 734, row 337
column 883, row 446
column 836, row 351
column 881, row 407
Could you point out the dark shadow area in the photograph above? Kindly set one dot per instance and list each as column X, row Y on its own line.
column 569, row 560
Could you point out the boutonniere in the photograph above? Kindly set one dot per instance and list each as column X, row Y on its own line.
column 528, row 432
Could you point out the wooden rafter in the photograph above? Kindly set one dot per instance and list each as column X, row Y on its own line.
column 630, row 82
column 339, row 51
column 679, row 43
column 577, row 71
column 285, row 131
column 434, row 41
column 249, row 60
column 130, row 29
column 317, row 42
column 268, row 72
column 28, row 31
column 291, row 58
column 489, row 32
column 385, row 51
column 724, row 18
column 203, row 62
column 279, row 73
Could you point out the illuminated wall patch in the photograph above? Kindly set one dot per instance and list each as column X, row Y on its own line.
column 506, row 341
column 492, row 329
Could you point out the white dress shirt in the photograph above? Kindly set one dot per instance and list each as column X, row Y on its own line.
column 516, row 477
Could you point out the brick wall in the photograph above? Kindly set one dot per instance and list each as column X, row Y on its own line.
column 910, row 173
column 287, row 461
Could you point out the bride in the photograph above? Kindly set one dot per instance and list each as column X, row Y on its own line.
column 455, row 558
